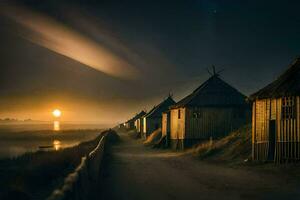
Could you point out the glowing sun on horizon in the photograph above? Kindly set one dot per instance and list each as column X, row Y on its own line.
column 56, row 113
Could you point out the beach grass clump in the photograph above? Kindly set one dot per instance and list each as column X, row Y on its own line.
column 153, row 138
column 236, row 147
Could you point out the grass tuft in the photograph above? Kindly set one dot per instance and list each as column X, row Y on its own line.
column 236, row 147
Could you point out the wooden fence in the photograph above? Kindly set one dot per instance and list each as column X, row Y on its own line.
column 81, row 183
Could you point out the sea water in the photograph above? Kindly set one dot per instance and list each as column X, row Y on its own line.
column 17, row 139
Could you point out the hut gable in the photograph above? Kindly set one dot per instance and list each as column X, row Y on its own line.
column 213, row 110
column 131, row 122
column 288, row 84
column 141, row 114
column 153, row 119
column 213, row 92
column 157, row 111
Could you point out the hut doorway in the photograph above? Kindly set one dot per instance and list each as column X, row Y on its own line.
column 272, row 139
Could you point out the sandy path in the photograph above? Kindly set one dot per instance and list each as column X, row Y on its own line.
column 136, row 172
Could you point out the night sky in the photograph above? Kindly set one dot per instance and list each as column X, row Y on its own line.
column 160, row 46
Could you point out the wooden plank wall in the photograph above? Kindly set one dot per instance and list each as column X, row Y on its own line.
column 278, row 130
column 214, row 122
column 261, row 129
column 298, row 127
column 174, row 124
column 150, row 125
column 164, row 125
column 144, row 126
column 287, row 147
column 288, row 143
column 141, row 125
column 177, row 125
column 254, row 130
column 138, row 125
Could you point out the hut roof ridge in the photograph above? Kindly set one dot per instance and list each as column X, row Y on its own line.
column 142, row 113
column 160, row 108
column 287, row 84
column 213, row 91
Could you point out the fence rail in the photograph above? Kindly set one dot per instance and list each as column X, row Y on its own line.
column 79, row 184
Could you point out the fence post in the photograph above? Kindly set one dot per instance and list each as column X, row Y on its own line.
column 79, row 184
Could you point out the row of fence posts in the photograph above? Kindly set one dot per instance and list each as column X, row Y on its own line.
column 80, row 184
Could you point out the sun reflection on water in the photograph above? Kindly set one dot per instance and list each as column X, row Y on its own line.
column 56, row 145
column 56, row 126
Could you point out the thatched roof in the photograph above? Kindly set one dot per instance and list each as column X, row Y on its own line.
column 137, row 116
column 160, row 108
column 288, row 84
column 213, row 92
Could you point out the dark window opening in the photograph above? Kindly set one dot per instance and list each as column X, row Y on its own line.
column 288, row 108
column 197, row 114
column 179, row 114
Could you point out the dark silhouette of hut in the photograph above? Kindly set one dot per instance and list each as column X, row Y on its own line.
column 130, row 124
column 213, row 110
column 121, row 126
column 153, row 119
column 276, row 118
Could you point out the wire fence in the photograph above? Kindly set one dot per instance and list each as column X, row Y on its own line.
column 80, row 184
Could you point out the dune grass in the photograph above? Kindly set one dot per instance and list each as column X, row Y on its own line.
column 236, row 147
column 153, row 138
column 35, row 175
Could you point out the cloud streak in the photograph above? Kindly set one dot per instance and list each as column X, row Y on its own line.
column 45, row 31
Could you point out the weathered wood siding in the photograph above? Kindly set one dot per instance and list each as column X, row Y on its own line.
column 261, row 115
column 205, row 122
column 150, row 125
column 288, row 147
column 198, row 124
column 144, row 127
column 177, row 128
column 141, row 125
column 165, row 127
column 287, row 130
column 177, row 125
column 254, row 130
column 138, row 125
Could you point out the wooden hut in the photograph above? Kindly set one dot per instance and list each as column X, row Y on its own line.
column 130, row 124
column 121, row 126
column 213, row 110
column 153, row 119
column 276, row 118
